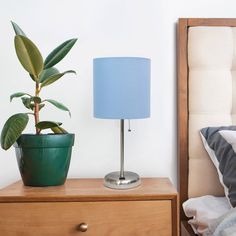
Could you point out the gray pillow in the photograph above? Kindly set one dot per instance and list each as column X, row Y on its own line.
column 220, row 143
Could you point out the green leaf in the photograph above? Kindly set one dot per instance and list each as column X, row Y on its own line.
column 12, row 129
column 32, row 77
column 58, row 105
column 59, row 130
column 59, row 53
column 47, row 124
column 17, row 95
column 45, row 74
column 27, row 102
column 41, row 106
column 32, row 106
column 55, row 77
column 28, row 55
column 36, row 99
column 17, row 29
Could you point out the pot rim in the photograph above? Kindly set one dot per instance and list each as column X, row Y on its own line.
column 45, row 140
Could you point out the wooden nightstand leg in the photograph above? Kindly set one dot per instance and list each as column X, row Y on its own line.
column 175, row 216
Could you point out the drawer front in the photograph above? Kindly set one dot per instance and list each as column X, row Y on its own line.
column 122, row 218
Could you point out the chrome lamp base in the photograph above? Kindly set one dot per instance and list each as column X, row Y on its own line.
column 114, row 181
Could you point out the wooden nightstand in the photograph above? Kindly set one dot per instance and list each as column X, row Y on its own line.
column 149, row 210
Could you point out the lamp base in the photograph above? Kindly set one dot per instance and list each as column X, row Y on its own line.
column 130, row 180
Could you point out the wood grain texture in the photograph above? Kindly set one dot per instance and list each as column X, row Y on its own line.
column 211, row 22
column 182, row 112
column 175, row 215
column 140, row 218
column 89, row 190
column 154, row 204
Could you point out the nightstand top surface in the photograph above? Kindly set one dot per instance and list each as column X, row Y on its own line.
column 88, row 190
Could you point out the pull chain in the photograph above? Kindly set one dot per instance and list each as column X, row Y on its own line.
column 129, row 129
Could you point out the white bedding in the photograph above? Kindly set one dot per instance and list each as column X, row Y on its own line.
column 203, row 210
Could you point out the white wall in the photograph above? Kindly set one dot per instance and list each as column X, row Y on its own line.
column 104, row 28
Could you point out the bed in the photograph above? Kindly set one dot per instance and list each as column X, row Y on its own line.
column 206, row 97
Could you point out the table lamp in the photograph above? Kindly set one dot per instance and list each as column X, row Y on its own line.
column 121, row 90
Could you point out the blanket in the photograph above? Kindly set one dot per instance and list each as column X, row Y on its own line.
column 204, row 210
column 224, row 225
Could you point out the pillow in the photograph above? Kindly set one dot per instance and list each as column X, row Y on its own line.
column 220, row 143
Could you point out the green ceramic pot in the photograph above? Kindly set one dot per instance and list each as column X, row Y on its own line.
column 44, row 159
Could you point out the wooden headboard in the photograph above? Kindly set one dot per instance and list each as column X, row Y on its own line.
column 183, row 98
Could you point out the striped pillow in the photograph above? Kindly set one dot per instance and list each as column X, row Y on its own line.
column 220, row 143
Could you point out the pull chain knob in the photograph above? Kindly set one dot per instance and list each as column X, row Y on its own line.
column 129, row 129
column 83, row 227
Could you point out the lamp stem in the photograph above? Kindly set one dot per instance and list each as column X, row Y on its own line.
column 122, row 149
column 122, row 179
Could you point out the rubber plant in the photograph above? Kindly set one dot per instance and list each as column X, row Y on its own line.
column 43, row 73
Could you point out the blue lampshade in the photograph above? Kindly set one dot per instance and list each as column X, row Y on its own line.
column 121, row 87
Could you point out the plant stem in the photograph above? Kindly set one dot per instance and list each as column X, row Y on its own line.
column 36, row 108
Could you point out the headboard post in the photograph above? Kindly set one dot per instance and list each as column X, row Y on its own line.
column 182, row 112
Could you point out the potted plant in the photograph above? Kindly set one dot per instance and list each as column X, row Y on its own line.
column 43, row 159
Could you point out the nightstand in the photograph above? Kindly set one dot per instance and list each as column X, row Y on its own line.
column 86, row 207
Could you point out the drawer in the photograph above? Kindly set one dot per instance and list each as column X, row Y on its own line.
column 117, row 218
